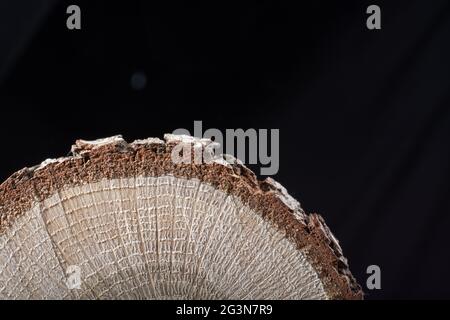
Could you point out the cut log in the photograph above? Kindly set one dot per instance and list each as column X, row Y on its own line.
column 136, row 225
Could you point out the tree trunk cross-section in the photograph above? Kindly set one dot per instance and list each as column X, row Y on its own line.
column 137, row 225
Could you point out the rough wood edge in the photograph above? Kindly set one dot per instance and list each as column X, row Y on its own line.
column 115, row 158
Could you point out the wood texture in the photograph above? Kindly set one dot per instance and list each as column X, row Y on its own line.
column 160, row 233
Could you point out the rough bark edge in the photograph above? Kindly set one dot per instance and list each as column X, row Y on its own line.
column 114, row 158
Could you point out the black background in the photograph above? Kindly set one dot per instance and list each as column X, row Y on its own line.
column 364, row 116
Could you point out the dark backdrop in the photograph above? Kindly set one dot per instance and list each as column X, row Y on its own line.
column 364, row 116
